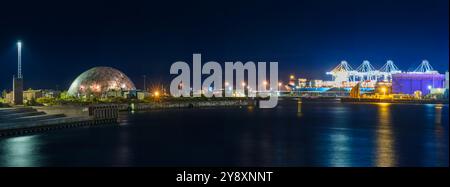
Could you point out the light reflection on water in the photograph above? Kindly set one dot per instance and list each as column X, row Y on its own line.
column 442, row 148
column 436, row 149
column 386, row 156
column 21, row 151
column 339, row 139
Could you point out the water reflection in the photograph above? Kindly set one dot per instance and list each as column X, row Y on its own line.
column 385, row 150
column 439, row 135
column 299, row 108
column 438, row 114
column 251, row 108
column 123, row 153
column 340, row 149
column 339, row 140
column 20, row 151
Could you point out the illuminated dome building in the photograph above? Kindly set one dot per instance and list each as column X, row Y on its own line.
column 100, row 82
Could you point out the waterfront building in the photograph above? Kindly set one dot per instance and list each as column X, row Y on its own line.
column 30, row 94
column 144, row 94
column 51, row 93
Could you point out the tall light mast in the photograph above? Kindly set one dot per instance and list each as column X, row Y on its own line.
column 18, row 81
column 19, row 59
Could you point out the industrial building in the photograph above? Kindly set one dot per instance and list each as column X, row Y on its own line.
column 408, row 83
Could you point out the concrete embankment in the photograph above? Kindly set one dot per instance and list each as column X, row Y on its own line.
column 185, row 104
column 22, row 120
column 83, row 111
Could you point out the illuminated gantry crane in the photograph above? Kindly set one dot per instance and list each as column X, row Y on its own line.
column 424, row 67
column 387, row 70
column 342, row 73
column 366, row 72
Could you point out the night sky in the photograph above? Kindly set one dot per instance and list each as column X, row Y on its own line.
column 308, row 38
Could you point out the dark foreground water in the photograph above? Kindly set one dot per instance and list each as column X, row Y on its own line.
column 309, row 134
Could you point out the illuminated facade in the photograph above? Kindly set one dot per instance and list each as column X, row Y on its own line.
column 408, row 83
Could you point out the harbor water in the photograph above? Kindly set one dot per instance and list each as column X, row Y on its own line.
column 293, row 134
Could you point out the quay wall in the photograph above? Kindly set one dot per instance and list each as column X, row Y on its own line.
column 189, row 104
column 77, row 110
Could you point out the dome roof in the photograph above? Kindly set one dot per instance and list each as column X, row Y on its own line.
column 100, row 80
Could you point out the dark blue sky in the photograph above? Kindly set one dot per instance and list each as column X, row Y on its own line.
column 308, row 38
